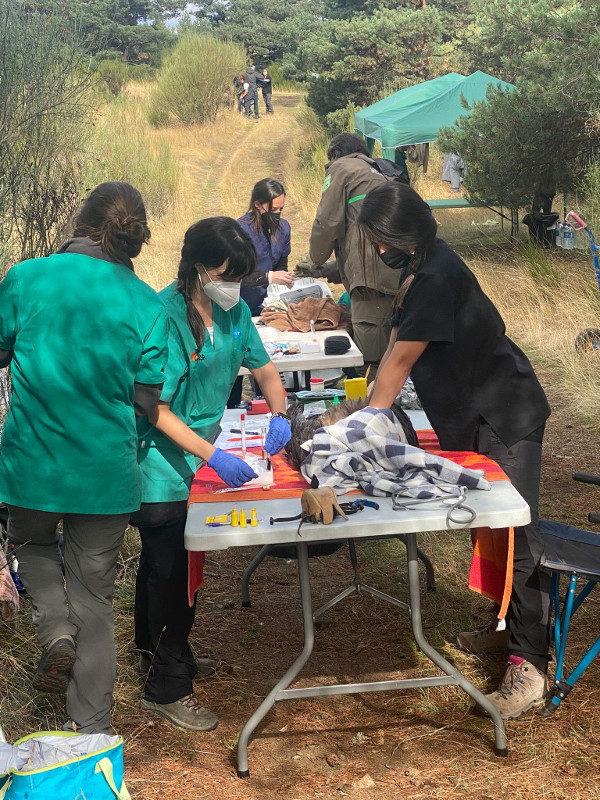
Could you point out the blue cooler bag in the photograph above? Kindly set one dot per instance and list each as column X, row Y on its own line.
column 60, row 765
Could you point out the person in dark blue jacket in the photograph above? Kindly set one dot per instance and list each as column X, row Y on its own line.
column 270, row 236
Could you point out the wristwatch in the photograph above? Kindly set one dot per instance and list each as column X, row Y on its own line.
column 281, row 414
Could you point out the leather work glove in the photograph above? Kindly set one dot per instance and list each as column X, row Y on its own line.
column 320, row 505
column 278, row 435
column 230, row 468
column 306, row 268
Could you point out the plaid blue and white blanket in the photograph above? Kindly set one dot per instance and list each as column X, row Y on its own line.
column 367, row 451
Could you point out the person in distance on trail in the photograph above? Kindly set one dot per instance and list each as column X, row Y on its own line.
column 88, row 343
column 211, row 336
column 266, row 85
column 251, row 97
column 350, row 174
column 240, row 92
column 480, row 393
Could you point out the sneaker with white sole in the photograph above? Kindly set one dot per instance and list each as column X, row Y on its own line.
column 186, row 713
column 524, row 686
column 488, row 640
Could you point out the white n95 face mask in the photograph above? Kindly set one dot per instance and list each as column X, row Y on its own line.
column 226, row 294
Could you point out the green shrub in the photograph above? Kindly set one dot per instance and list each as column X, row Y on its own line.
column 113, row 74
column 196, row 80
column 126, row 148
column 141, row 73
column 341, row 121
column 280, row 82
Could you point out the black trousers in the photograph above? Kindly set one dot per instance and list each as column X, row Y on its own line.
column 528, row 615
column 163, row 617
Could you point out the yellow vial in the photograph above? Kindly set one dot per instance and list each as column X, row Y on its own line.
column 234, row 517
column 253, row 518
column 242, row 518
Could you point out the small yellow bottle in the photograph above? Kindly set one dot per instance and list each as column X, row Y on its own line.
column 253, row 518
column 234, row 518
column 243, row 519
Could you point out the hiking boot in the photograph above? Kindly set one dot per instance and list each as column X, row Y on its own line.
column 523, row 687
column 205, row 666
column 186, row 713
column 53, row 671
column 488, row 640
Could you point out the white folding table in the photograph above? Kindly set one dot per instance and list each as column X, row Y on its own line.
column 500, row 507
column 307, row 362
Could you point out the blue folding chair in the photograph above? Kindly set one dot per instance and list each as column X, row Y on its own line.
column 574, row 553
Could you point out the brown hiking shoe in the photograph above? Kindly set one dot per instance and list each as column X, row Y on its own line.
column 186, row 713
column 53, row 671
column 488, row 640
column 523, row 687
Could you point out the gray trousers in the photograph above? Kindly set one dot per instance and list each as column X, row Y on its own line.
column 78, row 604
column 529, row 611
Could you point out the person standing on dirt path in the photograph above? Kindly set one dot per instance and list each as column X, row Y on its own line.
column 480, row 393
column 266, row 85
column 240, row 92
column 251, row 98
column 211, row 336
column 88, row 342
column 350, row 174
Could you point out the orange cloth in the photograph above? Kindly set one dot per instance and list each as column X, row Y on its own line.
column 492, row 561
column 196, row 559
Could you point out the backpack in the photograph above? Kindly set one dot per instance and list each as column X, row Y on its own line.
column 397, row 172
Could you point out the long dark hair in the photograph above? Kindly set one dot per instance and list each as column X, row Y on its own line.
column 211, row 242
column 114, row 217
column 265, row 191
column 396, row 216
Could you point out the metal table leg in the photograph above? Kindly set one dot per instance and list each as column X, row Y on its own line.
column 252, row 566
column 437, row 658
column 309, row 637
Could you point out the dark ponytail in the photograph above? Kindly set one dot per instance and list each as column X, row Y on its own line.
column 210, row 242
column 114, row 217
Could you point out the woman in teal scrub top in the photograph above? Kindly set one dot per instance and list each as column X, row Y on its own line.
column 87, row 343
column 211, row 336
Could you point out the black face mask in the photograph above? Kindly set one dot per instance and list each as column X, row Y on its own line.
column 395, row 258
column 270, row 219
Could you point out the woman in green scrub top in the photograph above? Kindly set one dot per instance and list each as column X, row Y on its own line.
column 211, row 336
column 87, row 344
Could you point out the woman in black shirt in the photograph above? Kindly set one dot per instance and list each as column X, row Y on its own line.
column 480, row 393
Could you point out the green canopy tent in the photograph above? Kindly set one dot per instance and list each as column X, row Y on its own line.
column 416, row 114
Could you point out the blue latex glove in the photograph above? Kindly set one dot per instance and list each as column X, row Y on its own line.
column 278, row 435
column 230, row 468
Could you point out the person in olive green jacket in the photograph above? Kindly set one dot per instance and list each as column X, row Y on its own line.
column 211, row 336
column 87, row 343
column 350, row 174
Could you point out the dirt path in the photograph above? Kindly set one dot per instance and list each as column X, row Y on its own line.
column 223, row 173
